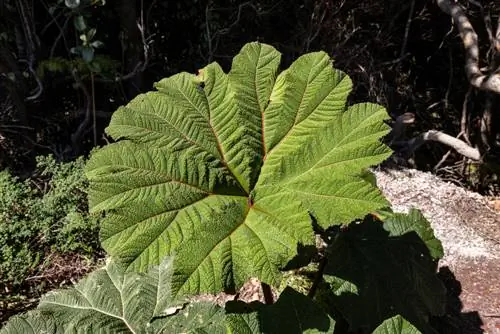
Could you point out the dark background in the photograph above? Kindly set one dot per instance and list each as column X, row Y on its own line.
column 405, row 55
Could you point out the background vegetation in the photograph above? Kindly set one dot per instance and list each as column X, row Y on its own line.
column 65, row 66
column 47, row 236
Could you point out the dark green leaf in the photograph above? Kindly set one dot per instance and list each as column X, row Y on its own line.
column 396, row 325
column 377, row 270
column 79, row 22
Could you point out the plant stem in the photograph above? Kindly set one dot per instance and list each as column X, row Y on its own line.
column 268, row 293
column 318, row 278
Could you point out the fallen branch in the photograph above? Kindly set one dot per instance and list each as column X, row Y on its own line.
column 458, row 145
column 432, row 135
column 497, row 36
column 489, row 82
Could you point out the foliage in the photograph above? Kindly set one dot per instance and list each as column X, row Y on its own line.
column 235, row 168
column 41, row 216
column 112, row 300
column 396, row 259
column 107, row 66
column 232, row 175
column 419, row 71
column 396, row 324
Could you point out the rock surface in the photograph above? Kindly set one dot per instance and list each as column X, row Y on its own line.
column 469, row 229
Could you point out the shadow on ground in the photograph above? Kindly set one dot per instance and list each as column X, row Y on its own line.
column 455, row 321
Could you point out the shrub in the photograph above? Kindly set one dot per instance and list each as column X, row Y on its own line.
column 43, row 217
column 218, row 178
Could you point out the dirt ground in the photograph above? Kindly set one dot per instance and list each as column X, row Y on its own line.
column 468, row 225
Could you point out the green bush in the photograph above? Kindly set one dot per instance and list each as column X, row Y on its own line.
column 44, row 215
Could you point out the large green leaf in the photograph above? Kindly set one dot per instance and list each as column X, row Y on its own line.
column 111, row 300
column 225, row 170
column 106, row 301
column 377, row 270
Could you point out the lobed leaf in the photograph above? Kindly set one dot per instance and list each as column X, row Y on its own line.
column 111, row 300
column 226, row 170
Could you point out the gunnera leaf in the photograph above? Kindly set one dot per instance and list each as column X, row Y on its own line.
column 110, row 300
column 225, row 170
column 377, row 270
column 399, row 224
column 293, row 312
column 396, row 325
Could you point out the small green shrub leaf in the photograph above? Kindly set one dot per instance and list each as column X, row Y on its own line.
column 377, row 270
column 226, row 170
column 396, row 325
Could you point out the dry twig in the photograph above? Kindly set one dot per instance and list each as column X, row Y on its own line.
column 432, row 135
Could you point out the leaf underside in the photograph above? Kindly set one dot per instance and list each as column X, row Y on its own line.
column 225, row 170
column 111, row 300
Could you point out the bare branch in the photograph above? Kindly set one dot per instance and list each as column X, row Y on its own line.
column 443, row 138
column 407, row 29
column 478, row 79
column 39, row 86
column 497, row 36
column 78, row 134
column 432, row 135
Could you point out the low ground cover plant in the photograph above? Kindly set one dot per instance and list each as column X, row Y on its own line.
column 42, row 218
column 218, row 177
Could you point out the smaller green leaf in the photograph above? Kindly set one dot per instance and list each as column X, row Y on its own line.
column 292, row 313
column 33, row 322
column 112, row 301
column 87, row 54
column 107, row 300
column 97, row 44
column 90, row 34
column 79, row 22
column 399, row 224
column 295, row 311
column 194, row 318
column 396, row 325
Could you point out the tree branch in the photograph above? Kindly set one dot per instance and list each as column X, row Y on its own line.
column 432, row 135
column 497, row 36
column 489, row 82
column 443, row 138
